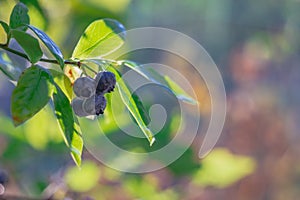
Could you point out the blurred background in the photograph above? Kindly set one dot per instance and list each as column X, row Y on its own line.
column 256, row 46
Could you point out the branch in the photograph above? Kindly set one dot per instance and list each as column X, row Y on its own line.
column 18, row 53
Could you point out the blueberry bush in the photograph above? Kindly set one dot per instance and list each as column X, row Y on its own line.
column 87, row 74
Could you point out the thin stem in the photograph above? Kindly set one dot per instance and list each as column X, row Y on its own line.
column 89, row 68
column 5, row 47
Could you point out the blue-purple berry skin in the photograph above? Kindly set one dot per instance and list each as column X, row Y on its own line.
column 100, row 104
column 105, row 82
column 84, row 87
column 77, row 105
column 89, row 92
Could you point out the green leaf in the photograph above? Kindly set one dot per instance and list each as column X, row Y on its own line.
column 99, row 39
column 37, row 5
column 68, row 123
column 221, row 168
column 5, row 27
column 7, row 67
column 31, row 94
column 29, row 44
column 53, row 48
column 19, row 17
column 144, row 114
column 63, row 82
column 164, row 81
column 83, row 179
column 131, row 105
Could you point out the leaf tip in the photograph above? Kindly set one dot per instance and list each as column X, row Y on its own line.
column 151, row 141
column 16, row 121
column 76, row 158
column 192, row 101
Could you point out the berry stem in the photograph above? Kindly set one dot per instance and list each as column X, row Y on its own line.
column 89, row 68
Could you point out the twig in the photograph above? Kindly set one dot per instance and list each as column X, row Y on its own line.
column 5, row 47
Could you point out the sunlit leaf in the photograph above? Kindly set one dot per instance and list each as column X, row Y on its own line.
column 63, row 82
column 8, row 68
column 19, row 17
column 68, row 123
column 5, row 26
column 131, row 105
column 99, row 39
column 29, row 44
column 147, row 188
column 53, row 48
column 31, row 94
column 161, row 80
column 83, row 179
column 221, row 168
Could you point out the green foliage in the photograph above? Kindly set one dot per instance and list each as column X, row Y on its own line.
column 53, row 48
column 8, row 68
column 31, row 94
column 29, row 44
column 143, row 189
column 36, row 85
column 163, row 81
column 5, row 26
column 84, row 179
column 131, row 105
column 62, row 82
column 68, row 124
column 19, row 17
column 99, row 39
column 222, row 168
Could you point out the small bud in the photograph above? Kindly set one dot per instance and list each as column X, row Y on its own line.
column 84, row 87
column 105, row 82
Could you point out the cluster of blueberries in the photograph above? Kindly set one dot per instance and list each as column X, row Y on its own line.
column 90, row 92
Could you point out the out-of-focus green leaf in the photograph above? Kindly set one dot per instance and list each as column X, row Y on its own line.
column 5, row 26
column 9, row 128
column 147, row 189
column 42, row 129
column 7, row 67
column 29, row 44
column 99, row 39
column 83, row 179
column 221, row 168
column 114, row 111
column 37, row 6
column 185, row 164
column 19, row 17
column 131, row 105
column 53, row 48
column 68, row 123
column 63, row 82
column 163, row 81
column 31, row 94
